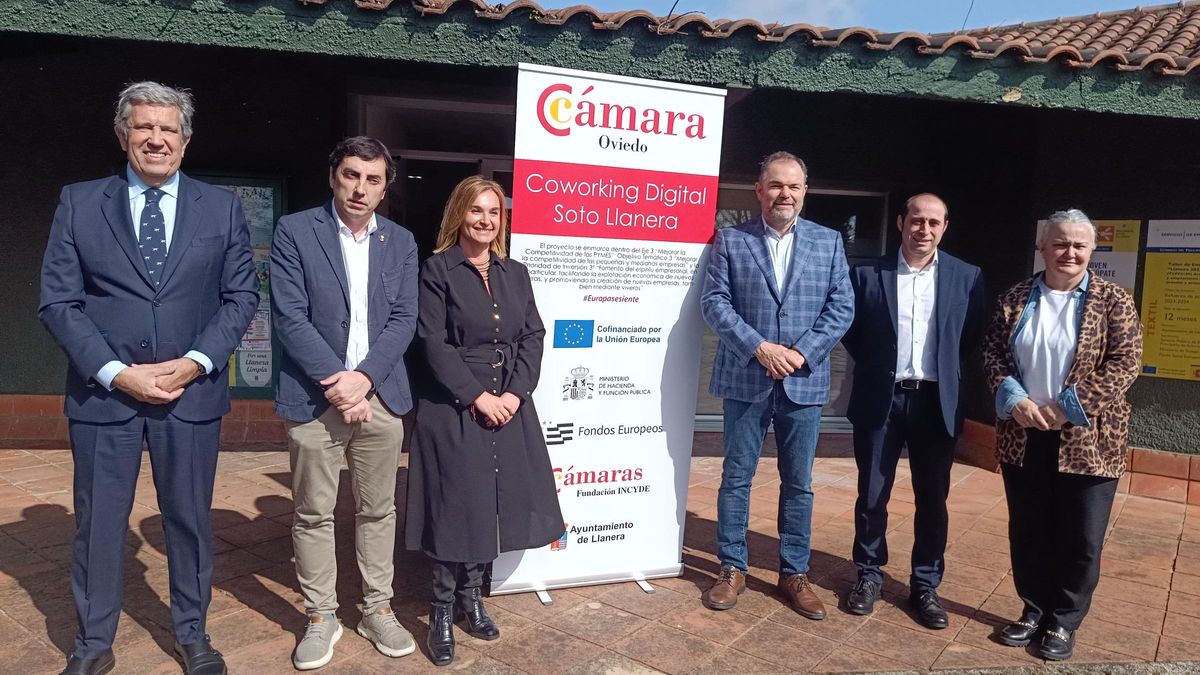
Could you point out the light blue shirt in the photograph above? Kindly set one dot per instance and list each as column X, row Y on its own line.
column 167, row 204
column 1012, row 390
column 780, row 246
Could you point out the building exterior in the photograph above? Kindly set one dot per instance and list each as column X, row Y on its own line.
column 1008, row 124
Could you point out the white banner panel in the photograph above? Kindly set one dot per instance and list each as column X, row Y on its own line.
column 614, row 200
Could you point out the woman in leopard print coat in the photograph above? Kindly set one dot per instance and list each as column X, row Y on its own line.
column 1062, row 350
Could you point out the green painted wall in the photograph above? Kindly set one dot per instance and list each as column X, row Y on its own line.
column 276, row 113
column 460, row 38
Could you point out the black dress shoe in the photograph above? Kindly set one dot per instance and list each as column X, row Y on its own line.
column 1018, row 633
column 1057, row 644
column 929, row 609
column 479, row 624
column 862, row 599
column 199, row 658
column 441, row 634
column 92, row 665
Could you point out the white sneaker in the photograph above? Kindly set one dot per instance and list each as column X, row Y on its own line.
column 383, row 628
column 316, row 647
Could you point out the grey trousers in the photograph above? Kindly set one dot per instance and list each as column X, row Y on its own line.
column 372, row 453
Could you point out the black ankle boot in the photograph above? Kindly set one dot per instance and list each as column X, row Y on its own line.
column 479, row 624
column 441, row 634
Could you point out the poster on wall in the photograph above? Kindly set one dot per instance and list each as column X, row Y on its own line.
column 614, row 199
column 1116, row 255
column 1171, row 300
column 250, row 366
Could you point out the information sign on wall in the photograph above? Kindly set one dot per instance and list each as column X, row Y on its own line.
column 1171, row 300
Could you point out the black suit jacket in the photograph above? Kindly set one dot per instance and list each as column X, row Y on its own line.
column 100, row 305
column 960, row 314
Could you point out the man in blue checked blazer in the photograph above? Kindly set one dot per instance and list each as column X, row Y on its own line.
column 777, row 294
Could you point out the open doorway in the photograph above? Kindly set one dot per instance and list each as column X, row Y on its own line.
column 424, row 182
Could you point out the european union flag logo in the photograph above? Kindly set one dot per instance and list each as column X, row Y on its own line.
column 573, row 333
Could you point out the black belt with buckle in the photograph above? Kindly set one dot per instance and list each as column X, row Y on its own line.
column 913, row 385
column 493, row 355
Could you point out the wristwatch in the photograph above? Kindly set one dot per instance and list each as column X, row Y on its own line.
column 200, row 370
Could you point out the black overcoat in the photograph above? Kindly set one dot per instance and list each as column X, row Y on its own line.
column 474, row 491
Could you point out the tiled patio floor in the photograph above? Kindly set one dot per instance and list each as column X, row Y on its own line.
column 1147, row 607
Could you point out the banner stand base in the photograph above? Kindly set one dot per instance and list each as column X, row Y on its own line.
column 543, row 586
column 544, row 598
column 644, row 585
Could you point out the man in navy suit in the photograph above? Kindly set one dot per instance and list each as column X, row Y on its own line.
column 919, row 313
column 344, row 304
column 778, row 296
column 147, row 284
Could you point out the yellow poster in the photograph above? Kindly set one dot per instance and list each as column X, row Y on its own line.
column 1116, row 254
column 1171, row 300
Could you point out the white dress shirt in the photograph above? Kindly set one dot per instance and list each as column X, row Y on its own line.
column 780, row 247
column 356, row 254
column 916, row 330
column 1045, row 347
column 167, row 204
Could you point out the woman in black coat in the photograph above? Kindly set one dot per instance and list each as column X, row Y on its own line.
column 479, row 480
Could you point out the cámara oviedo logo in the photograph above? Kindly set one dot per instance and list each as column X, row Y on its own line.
column 559, row 109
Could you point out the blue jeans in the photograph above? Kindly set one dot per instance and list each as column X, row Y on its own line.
column 797, row 428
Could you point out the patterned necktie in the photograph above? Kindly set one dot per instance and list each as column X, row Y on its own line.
column 153, row 236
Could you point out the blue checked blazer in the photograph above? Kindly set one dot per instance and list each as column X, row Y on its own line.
column 741, row 303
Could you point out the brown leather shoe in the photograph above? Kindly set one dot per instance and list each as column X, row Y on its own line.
column 800, row 595
column 724, row 592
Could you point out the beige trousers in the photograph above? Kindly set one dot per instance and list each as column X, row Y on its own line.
column 371, row 451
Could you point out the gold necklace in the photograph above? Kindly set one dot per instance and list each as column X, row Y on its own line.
column 482, row 267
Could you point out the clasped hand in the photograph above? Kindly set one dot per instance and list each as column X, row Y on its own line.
column 347, row 391
column 1048, row 417
column 496, row 410
column 157, row 383
column 779, row 361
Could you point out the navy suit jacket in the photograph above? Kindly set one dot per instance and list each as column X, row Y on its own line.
column 743, row 306
column 100, row 305
column 310, row 309
column 960, row 314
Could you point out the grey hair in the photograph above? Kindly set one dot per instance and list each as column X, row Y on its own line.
column 1067, row 216
column 781, row 156
column 153, row 93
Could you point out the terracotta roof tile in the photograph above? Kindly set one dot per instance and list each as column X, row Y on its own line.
column 1164, row 38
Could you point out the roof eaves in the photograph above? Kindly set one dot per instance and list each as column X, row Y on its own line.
column 1162, row 38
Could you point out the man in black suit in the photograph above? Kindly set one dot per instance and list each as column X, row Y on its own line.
column 918, row 314
column 147, row 284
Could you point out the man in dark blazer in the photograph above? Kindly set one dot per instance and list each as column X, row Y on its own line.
column 918, row 314
column 778, row 296
column 344, row 305
column 147, row 284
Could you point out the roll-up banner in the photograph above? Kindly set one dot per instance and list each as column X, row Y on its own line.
column 614, row 201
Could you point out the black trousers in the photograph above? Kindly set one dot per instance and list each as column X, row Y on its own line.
column 1056, row 525
column 108, row 458
column 915, row 420
column 456, row 578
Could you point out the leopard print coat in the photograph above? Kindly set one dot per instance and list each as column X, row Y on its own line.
column 1108, row 359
